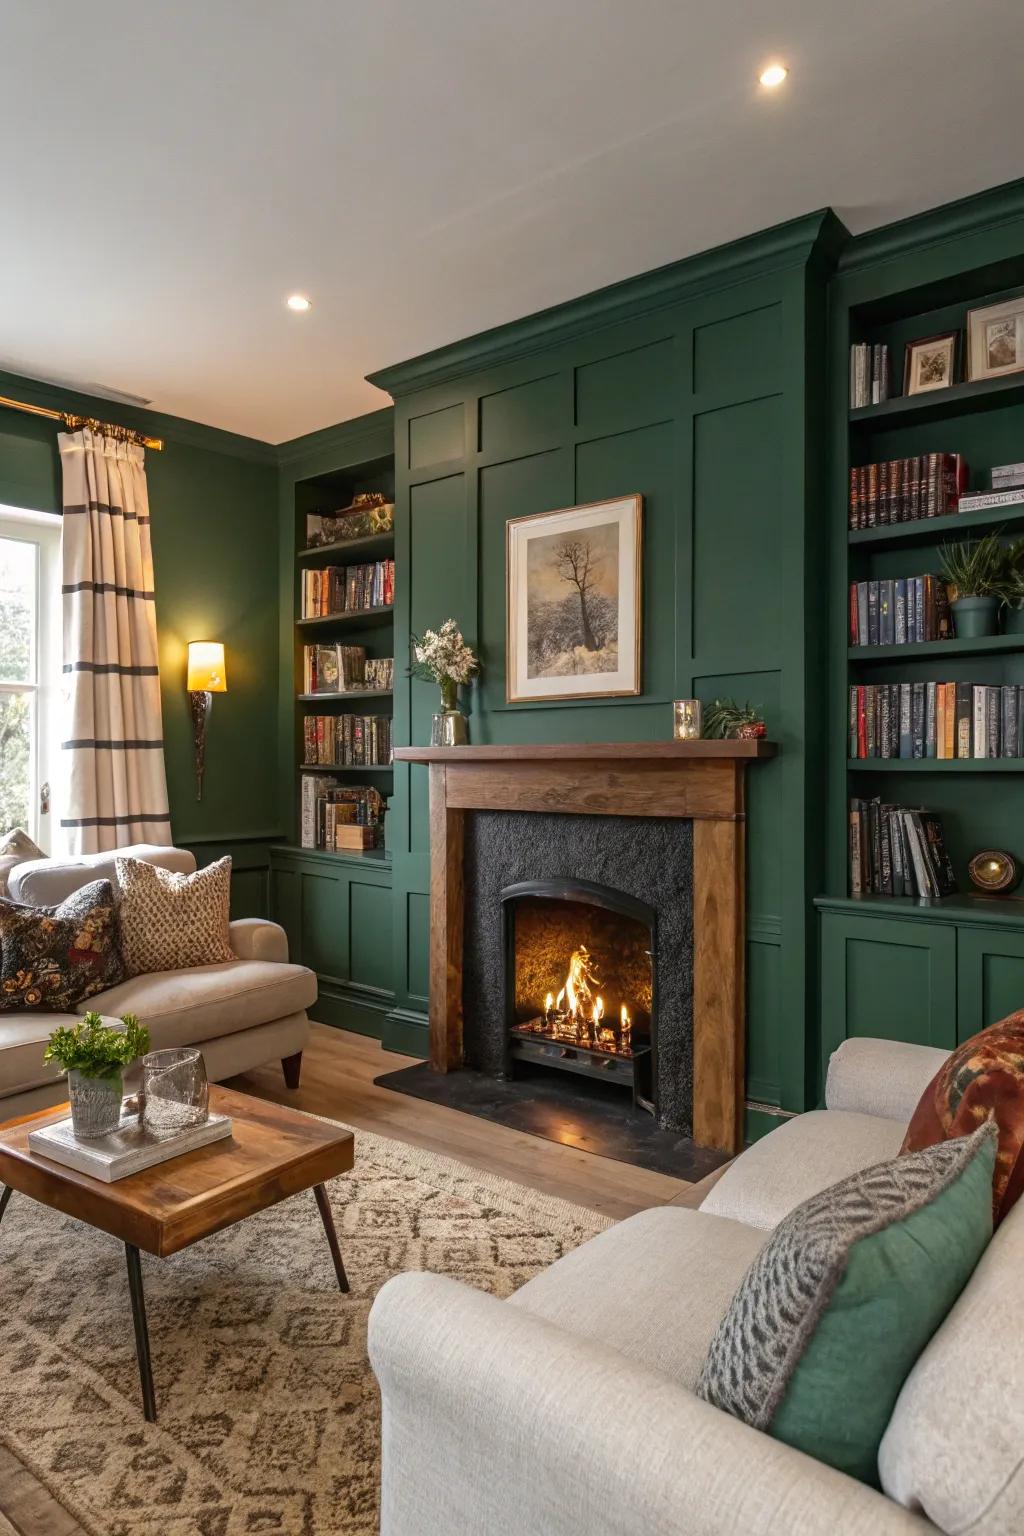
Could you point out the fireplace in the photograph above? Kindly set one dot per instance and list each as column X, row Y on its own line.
column 579, row 982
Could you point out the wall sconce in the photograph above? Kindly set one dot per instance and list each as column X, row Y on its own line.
column 206, row 676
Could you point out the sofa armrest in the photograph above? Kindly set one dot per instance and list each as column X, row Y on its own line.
column 255, row 938
column 496, row 1421
column 880, row 1077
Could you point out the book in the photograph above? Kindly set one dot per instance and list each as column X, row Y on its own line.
column 129, row 1149
column 983, row 501
column 964, row 717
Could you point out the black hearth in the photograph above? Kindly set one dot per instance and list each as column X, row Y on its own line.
column 579, row 982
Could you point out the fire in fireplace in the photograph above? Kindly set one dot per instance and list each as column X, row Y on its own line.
column 579, row 982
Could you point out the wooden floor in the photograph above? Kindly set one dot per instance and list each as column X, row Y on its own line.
column 338, row 1070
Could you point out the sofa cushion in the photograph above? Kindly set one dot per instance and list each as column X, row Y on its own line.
column 839, row 1304
column 982, row 1080
column 23, row 1038
column 41, row 882
column 654, row 1287
column 880, row 1077
column 189, row 1006
column 170, row 921
column 802, row 1156
column 954, row 1447
column 53, row 957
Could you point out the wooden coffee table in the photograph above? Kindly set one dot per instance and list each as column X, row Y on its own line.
column 272, row 1153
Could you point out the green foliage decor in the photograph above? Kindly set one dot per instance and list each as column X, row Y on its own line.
column 96, row 1049
column 726, row 720
column 1011, row 581
column 974, row 567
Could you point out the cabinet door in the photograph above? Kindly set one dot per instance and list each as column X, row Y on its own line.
column 990, row 977
column 887, row 978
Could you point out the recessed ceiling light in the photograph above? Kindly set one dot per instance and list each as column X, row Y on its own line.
column 299, row 303
column 773, row 75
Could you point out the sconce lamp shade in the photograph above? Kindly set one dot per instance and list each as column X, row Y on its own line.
column 206, row 670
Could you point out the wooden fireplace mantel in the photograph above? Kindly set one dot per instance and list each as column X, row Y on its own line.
column 701, row 781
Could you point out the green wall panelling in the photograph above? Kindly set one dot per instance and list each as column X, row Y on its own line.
column 893, row 979
column 250, row 869
column 337, row 914
column 212, row 497
column 990, row 977
column 586, row 410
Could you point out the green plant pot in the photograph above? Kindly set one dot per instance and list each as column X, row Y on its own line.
column 1013, row 621
column 95, row 1104
column 975, row 617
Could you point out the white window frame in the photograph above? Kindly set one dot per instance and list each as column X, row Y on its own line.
column 43, row 529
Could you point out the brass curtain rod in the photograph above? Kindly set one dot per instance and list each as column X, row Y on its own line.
column 73, row 422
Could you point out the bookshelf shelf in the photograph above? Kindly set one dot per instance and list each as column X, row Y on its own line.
column 935, row 764
column 932, row 530
column 360, row 616
column 355, row 550
column 336, row 855
column 345, row 767
column 929, row 650
column 958, row 400
column 358, row 693
column 983, row 911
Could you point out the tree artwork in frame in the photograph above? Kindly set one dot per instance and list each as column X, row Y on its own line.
column 573, row 616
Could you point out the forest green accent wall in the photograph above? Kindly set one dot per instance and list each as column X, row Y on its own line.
column 214, row 526
column 701, row 399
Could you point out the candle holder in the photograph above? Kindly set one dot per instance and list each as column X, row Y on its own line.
column 687, row 719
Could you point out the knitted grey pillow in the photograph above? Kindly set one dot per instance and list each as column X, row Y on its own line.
column 832, row 1314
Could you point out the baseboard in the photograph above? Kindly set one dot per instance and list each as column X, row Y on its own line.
column 406, row 1032
column 350, row 1007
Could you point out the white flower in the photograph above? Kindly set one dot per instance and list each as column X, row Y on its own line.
column 445, row 654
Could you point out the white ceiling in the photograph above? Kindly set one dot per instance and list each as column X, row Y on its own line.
column 425, row 169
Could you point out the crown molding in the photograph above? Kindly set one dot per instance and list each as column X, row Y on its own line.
column 817, row 236
column 347, row 442
column 172, row 429
column 974, row 215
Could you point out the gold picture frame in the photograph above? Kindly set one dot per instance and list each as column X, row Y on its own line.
column 573, row 602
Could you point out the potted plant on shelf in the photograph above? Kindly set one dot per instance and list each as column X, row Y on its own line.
column 1012, row 589
column 974, row 571
column 442, row 656
column 726, row 720
column 94, row 1054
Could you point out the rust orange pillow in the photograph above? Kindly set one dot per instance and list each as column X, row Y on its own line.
column 982, row 1080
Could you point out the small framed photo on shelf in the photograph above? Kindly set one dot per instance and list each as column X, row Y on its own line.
column 931, row 363
column 995, row 339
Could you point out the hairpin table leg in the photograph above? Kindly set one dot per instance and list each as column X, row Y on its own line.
column 4, row 1199
column 131, row 1253
column 324, row 1207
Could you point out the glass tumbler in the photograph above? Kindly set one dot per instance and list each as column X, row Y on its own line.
column 687, row 719
column 176, row 1092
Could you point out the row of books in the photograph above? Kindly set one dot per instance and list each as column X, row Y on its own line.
column 368, row 515
column 936, row 720
column 345, row 669
column 904, row 490
column 335, row 816
column 347, row 741
column 904, row 611
column 896, row 851
column 869, row 373
column 347, row 588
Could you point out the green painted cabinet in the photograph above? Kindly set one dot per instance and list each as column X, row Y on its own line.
column 929, row 975
column 990, row 977
column 336, row 912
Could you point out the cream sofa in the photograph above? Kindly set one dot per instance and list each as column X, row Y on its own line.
column 243, row 1013
column 569, row 1410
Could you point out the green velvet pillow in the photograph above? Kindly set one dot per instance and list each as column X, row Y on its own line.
column 830, row 1318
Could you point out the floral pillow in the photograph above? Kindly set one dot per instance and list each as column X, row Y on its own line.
column 53, row 957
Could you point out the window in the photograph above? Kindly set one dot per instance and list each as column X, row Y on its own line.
column 29, row 671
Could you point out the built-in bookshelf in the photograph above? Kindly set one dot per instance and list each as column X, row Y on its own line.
column 979, row 800
column 343, row 711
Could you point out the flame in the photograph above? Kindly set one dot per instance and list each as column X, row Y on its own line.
column 549, row 1002
column 577, row 1012
column 597, row 1013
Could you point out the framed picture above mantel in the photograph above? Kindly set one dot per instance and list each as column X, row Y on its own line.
column 573, row 602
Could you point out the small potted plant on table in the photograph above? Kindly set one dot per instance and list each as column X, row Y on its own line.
column 974, row 569
column 94, row 1055
column 1012, row 589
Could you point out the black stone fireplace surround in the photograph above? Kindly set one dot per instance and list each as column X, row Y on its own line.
column 648, row 859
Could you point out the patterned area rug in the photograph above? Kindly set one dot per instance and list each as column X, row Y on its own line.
column 269, row 1414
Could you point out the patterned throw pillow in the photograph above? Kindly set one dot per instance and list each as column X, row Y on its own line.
column 171, row 921
column 982, row 1080
column 54, row 957
column 831, row 1316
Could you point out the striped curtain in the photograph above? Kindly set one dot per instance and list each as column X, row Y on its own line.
column 114, row 785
